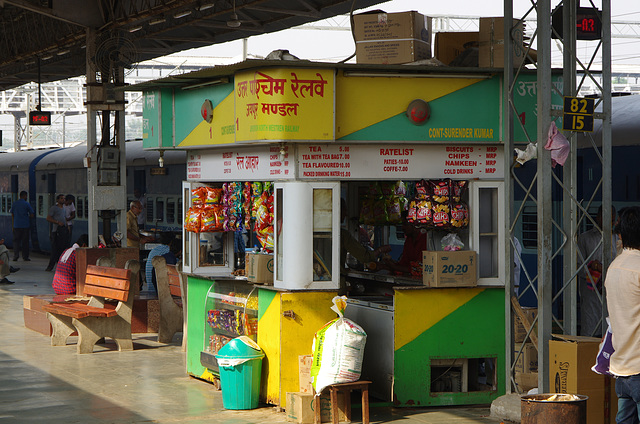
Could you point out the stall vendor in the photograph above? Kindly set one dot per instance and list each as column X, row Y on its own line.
column 415, row 242
column 349, row 244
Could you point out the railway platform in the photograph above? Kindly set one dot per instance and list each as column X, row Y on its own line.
column 42, row 383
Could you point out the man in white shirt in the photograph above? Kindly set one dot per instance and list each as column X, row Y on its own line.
column 69, row 211
column 622, row 284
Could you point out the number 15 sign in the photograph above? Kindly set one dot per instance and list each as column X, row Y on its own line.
column 577, row 114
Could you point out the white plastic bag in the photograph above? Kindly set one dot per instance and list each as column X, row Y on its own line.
column 338, row 350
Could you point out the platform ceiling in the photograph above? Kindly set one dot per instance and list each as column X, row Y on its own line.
column 53, row 32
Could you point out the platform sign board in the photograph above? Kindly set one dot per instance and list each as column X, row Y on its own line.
column 577, row 114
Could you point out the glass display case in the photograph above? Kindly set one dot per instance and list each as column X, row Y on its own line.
column 231, row 310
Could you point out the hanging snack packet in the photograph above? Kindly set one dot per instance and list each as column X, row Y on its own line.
column 212, row 196
column 198, row 196
column 192, row 220
column 440, row 190
column 440, row 216
column 459, row 214
column 394, row 209
column 210, row 220
column 423, row 211
column 457, row 189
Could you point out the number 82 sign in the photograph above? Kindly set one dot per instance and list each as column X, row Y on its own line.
column 577, row 114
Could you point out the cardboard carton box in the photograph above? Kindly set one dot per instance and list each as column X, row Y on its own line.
column 526, row 381
column 570, row 361
column 300, row 407
column 449, row 45
column 304, row 373
column 491, row 43
column 527, row 362
column 449, row 268
column 259, row 268
column 392, row 38
column 519, row 332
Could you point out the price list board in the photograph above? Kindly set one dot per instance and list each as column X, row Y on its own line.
column 381, row 162
column 240, row 164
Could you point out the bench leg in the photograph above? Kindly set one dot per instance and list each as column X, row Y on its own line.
column 92, row 329
column 62, row 329
column 170, row 324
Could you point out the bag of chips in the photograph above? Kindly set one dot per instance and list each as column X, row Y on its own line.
column 192, row 220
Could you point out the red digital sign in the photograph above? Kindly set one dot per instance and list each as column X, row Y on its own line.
column 37, row 117
column 588, row 23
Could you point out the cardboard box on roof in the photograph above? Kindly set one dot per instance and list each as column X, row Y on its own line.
column 392, row 38
column 492, row 39
column 570, row 362
column 449, row 45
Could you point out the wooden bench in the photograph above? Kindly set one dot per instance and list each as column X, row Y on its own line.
column 170, row 300
column 98, row 318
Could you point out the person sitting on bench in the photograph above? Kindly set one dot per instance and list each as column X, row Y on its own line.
column 64, row 280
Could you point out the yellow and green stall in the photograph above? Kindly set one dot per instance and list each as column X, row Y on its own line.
column 320, row 132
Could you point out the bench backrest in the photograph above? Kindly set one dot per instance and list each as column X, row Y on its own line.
column 112, row 283
column 174, row 281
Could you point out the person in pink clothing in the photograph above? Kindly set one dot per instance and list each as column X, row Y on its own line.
column 622, row 284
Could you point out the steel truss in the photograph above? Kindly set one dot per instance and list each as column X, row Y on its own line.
column 553, row 191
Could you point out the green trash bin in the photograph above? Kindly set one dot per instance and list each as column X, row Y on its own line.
column 240, row 363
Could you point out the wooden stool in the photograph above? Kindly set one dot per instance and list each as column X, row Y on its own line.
column 363, row 386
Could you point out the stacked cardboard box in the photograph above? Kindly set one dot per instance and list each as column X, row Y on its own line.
column 392, row 38
column 449, row 45
column 492, row 40
column 570, row 362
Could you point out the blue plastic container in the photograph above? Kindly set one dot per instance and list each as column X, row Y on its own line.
column 240, row 363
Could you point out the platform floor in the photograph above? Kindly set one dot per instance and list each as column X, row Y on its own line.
column 44, row 384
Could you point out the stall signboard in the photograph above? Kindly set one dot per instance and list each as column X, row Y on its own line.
column 346, row 161
column 284, row 104
column 399, row 161
column 237, row 163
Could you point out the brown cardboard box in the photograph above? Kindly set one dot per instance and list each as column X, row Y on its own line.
column 527, row 362
column 259, row 268
column 491, row 40
column 392, row 38
column 570, row 362
column 526, row 380
column 519, row 332
column 300, row 407
column 304, row 373
column 449, row 268
column 448, row 45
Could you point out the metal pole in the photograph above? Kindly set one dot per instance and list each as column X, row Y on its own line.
column 507, row 114
column 92, row 178
column 544, row 186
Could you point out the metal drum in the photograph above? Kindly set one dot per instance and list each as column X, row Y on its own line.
column 554, row 408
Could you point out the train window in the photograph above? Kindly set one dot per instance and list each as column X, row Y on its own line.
column 40, row 205
column 159, row 210
column 79, row 208
column 4, row 204
column 180, row 210
column 86, row 207
column 149, row 207
column 171, row 211
column 529, row 228
column 9, row 202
